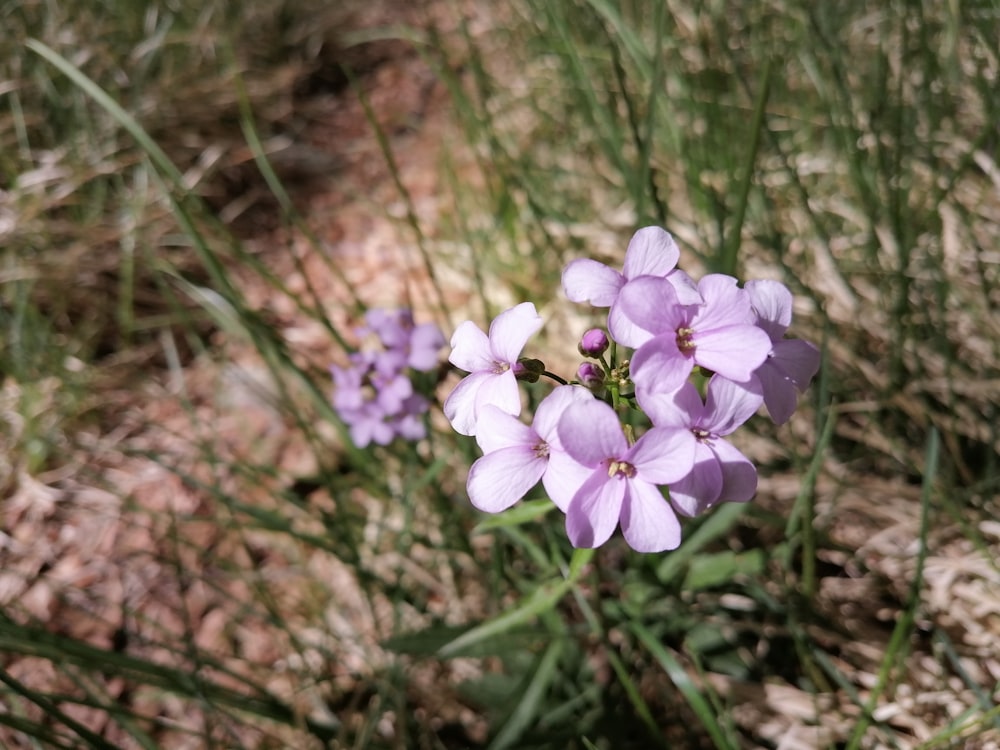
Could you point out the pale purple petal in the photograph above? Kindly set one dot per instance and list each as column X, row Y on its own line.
column 624, row 331
column 500, row 390
column 772, row 302
column 563, row 478
column 780, row 395
column 648, row 522
column 686, row 288
column 659, row 366
column 496, row 429
column 501, row 478
column 725, row 304
column 732, row 351
column 663, row 455
column 511, row 329
column 680, row 408
column 798, row 360
column 586, row 280
column 701, row 488
column 789, row 368
column 739, row 475
column 593, row 513
column 460, row 406
column 651, row 252
column 425, row 343
column 730, row 404
column 551, row 409
column 591, row 433
column 652, row 304
column 470, row 349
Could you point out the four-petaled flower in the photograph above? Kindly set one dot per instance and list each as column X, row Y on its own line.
column 491, row 363
column 720, row 473
column 518, row 455
column 622, row 484
column 718, row 335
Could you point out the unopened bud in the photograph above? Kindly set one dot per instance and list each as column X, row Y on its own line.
column 528, row 370
column 591, row 376
column 593, row 343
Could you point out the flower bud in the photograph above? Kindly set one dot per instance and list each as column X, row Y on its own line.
column 591, row 376
column 528, row 370
column 593, row 343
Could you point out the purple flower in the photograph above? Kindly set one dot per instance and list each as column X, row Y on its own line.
column 720, row 473
column 623, row 479
column 791, row 363
column 651, row 252
column 406, row 344
column 718, row 334
column 517, row 456
column 490, row 362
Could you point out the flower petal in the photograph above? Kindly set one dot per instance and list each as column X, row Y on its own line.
column 591, row 433
column 470, row 348
column 725, row 303
column 563, row 477
column 780, row 396
column 652, row 304
column 551, row 409
column 511, row 329
column 739, row 475
column 649, row 524
column 732, row 351
column 700, row 489
column 594, row 510
column 586, row 280
column 651, row 252
column 460, row 406
column 501, row 391
column 624, row 331
column 772, row 302
column 658, row 366
column 731, row 404
column 501, row 478
column 496, row 429
column 798, row 360
column 680, row 408
column 663, row 454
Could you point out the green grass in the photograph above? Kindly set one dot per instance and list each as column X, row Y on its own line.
column 253, row 583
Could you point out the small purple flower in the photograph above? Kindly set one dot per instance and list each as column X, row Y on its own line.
column 490, row 362
column 651, row 252
column 517, row 456
column 791, row 363
column 406, row 344
column 622, row 484
column 721, row 473
column 594, row 343
column 718, row 335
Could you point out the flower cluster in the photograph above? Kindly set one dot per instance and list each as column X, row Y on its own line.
column 706, row 356
column 374, row 394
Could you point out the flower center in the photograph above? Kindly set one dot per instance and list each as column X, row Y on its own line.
column 684, row 341
column 541, row 449
column 500, row 367
column 702, row 435
column 620, row 469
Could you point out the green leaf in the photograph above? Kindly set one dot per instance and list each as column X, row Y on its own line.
column 524, row 512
